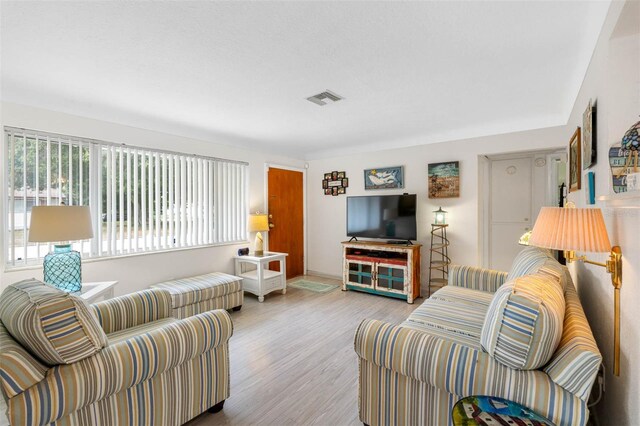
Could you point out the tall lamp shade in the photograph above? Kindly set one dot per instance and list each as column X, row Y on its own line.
column 582, row 229
column 61, row 224
column 571, row 229
column 259, row 223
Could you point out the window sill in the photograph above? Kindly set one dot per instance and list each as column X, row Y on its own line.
column 38, row 264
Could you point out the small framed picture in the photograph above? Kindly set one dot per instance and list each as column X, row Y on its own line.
column 325, row 183
column 341, row 175
column 589, row 136
column 327, row 176
column 334, row 175
column 345, row 182
column 341, row 190
column 327, row 191
column 334, row 191
column 575, row 161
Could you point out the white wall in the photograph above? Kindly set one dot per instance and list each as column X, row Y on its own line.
column 613, row 79
column 327, row 214
column 139, row 271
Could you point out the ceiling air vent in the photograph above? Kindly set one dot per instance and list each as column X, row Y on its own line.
column 325, row 98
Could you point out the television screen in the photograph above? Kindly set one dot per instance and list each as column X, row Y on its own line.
column 383, row 216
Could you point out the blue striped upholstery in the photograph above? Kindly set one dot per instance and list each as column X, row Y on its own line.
column 54, row 326
column 18, row 369
column 411, row 377
column 127, row 333
column 414, row 373
column 202, row 293
column 132, row 309
column 164, row 371
column 476, row 278
column 441, row 315
column 528, row 261
column 524, row 322
column 574, row 366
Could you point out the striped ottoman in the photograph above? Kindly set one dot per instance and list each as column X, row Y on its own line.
column 194, row 295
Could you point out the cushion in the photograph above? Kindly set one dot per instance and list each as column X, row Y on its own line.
column 452, row 313
column 54, row 326
column 18, row 369
column 524, row 321
column 528, row 261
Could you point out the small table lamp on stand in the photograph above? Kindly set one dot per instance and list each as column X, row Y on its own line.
column 259, row 223
column 61, row 224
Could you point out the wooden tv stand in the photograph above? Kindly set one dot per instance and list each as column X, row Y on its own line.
column 391, row 270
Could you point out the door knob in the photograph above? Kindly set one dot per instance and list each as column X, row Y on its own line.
column 270, row 216
column 271, row 225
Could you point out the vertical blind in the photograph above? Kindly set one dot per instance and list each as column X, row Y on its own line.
column 141, row 199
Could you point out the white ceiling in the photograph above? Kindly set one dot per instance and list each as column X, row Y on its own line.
column 239, row 72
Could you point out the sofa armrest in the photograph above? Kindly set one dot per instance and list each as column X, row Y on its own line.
column 476, row 278
column 132, row 309
column 456, row 369
column 68, row 388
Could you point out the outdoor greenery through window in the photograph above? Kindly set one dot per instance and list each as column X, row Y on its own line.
column 141, row 199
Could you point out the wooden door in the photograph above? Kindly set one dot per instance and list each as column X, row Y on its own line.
column 286, row 211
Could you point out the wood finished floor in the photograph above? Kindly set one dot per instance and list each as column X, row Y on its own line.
column 292, row 358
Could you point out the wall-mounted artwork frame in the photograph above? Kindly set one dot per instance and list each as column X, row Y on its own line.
column 384, row 178
column 444, row 179
column 335, row 183
column 575, row 163
column 589, row 136
column 590, row 186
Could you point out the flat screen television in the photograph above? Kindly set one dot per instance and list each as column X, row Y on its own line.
column 391, row 217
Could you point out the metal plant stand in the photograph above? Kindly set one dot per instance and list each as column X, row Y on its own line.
column 438, row 258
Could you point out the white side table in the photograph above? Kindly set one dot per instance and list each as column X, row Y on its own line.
column 96, row 292
column 262, row 281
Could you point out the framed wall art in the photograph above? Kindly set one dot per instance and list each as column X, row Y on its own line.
column 444, row 179
column 335, row 183
column 384, row 178
column 589, row 136
column 575, row 163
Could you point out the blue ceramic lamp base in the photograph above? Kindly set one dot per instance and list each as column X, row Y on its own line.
column 62, row 268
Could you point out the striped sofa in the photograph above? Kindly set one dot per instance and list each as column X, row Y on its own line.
column 124, row 361
column 476, row 336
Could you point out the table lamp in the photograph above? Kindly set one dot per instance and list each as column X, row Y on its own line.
column 259, row 223
column 440, row 217
column 582, row 229
column 61, row 224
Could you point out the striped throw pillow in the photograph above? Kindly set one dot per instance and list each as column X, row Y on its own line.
column 523, row 325
column 54, row 326
column 528, row 261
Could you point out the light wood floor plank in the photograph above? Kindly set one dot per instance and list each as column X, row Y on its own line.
column 292, row 357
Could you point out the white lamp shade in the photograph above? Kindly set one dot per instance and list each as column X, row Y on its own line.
column 570, row 229
column 60, row 223
column 258, row 223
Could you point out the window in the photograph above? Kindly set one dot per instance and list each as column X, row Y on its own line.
column 141, row 199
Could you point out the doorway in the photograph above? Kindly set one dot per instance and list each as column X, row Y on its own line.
column 286, row 209
column 516, row 187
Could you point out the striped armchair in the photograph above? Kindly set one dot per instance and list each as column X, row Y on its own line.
column 122, row 361
column 461, row 342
